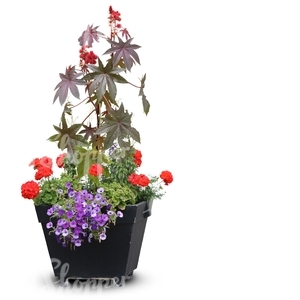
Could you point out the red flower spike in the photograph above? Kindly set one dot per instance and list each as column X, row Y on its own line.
column 90, row 58
column 114, row 15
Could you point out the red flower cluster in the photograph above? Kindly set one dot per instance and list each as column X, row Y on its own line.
column 113, row 18
column 137, row 179
column 95, row 170
column 137, row 156
column 87, row 57
column 60, row 160
column 166, row 176
column 42, row 172
column 143, row 180
column 30, row 190
column 114, row 15
column 43, row 166
column 44, row 161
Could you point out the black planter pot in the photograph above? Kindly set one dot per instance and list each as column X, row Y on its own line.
column 115, row 257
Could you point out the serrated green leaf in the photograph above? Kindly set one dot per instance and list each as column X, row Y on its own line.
column 110, row 138
column 117, row 125
column 104, row 78
column 119, row 78
column 68, row 83
column 133, row 133
column 123, row 50
column 67, row 137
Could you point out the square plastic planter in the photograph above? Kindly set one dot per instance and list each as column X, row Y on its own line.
column 115, row 257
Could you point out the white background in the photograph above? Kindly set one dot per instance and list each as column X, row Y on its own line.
column 223, row 79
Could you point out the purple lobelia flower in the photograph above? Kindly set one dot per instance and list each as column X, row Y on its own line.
column 69, row 214
column 102, row 236
column 100, row 190
column 119, row 214
column 49, row 225
column 68, row 185
column 71, row 194
column 77, row 243
column 65, row 232
column 60, row 211
column 58, row 230
column 61, row 222
column 73, row 224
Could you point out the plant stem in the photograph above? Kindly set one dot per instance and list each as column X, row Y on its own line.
column 88, row 116
column 73, row 106
column 106, row 101
column 134, row 85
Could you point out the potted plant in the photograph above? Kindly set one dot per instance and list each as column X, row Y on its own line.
column 94, row 211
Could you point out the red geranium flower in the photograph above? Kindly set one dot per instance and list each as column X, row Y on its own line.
column 133, row 179
column 137, row 156
column 141, row 180
column 46, row 162
column 35, row 163
column 43, row 172
column 60, row 160
column 95, row 170
column 30, row 190
column 166, row 176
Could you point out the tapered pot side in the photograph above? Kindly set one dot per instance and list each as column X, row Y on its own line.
column 116, row 256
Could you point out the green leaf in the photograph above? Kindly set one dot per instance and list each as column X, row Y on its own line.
column 141, row 93
column 125, row 51
column 132, row 132
column 67, row 137
column 109, row 100
column 146, row 104
column 117, row 125
column 104, row 78
column 94, row 179
column 68, row 83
